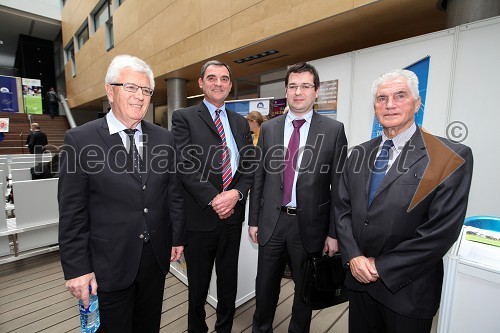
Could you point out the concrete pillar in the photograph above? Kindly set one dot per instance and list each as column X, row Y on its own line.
column 460, row 12
column 176, row 98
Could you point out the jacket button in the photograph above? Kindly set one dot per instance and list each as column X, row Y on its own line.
column 281, row 187
column 366, row 222
column 144, row 187
column 146, row 210
column 141, row 236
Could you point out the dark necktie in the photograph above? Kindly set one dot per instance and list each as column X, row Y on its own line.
column 135, row 159
column 227, row 175
column 133, row 153
column 291, row 161
column 379, row 169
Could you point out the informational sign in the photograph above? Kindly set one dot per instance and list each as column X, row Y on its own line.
column 8, row 94
column 4, row 125
column 326, row 103
column 244, row 106
column 32, row 96
column 278, row 107
column 421, row 69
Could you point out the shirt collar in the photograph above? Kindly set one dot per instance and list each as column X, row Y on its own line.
column 400, row 140
column 291, row 117
column 212, row 108
column 116, row 126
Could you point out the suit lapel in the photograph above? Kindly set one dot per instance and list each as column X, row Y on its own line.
column 313, row 147
column 206, row 117
column 114, row 143
column 412, row 152
column 371, row 150
column 147, row 146
column 279, row 137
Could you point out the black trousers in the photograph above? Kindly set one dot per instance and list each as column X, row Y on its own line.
column 367, row 315
column 54, row 109
column 203, row 248
column 270, row 267
column 138, row 308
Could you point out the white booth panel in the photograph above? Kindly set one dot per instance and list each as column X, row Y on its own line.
column 372, row 62
column 475, row 104
column 339, row 68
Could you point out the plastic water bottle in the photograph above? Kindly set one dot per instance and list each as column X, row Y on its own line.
column 89, row 318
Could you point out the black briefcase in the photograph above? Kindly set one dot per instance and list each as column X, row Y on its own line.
column 323, row 284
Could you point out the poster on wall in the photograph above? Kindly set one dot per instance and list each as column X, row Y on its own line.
column 4, row 125
column 326, row 103
column 8, row 94
column 279, row 105
column 244, row 106
column 421, row 69
column 32, row 96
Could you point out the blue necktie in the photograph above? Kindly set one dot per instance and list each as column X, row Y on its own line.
column 379, row 169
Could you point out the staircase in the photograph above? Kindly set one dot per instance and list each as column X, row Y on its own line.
column 19, row 128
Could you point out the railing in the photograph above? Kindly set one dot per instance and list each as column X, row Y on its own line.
column 67, row 110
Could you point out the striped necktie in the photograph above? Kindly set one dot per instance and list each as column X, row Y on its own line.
column 227, row 175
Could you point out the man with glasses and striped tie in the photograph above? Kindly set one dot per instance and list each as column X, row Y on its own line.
column 214, row 144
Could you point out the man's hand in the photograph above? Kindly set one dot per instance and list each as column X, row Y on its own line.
column 176, row 253
column 79, row 287
column 252, row 232
column 331, row 246
column 363, row 269
column 224, row 202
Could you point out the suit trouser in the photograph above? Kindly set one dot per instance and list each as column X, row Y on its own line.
column 223, row 246
column 138, row 308
column 367, row 315
column 286, row 237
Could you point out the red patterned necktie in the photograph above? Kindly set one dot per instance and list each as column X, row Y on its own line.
column 291, row 161
column 227, row 175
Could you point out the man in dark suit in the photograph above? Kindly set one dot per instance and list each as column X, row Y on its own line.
column 399, row 213
column 37, row 140
column 291, row 206
column 120, row 205
column 214, row 146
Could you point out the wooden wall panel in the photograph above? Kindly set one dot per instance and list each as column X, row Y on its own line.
column 173, row 34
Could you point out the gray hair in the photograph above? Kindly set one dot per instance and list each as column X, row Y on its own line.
column 214, row 63
column 410, row 77
column 123, row 61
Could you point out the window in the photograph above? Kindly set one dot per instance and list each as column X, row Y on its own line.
column 82, row 35
column 102, row 14
column 110, row 39
column 70, row 57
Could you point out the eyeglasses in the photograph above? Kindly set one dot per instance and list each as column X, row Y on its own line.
column 131, row 87
column 303, row 86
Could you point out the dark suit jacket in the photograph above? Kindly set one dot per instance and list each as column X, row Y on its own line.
column 407, row 231
column 102, row 208
column 199, row 155
column 317, row 183
column 37, row 141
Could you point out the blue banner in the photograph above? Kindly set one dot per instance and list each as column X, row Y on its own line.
column 421, row 69
column 8, row 94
